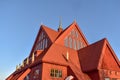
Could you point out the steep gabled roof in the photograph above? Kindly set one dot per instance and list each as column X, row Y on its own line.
column 91, row 57
column 52, row 34
column 108, row 59
column 56, row 54
column 69, row 28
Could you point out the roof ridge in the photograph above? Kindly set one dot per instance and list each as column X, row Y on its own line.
column 53, row 34
column 44, row 26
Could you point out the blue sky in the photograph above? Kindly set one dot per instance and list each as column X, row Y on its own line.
column 20, row 21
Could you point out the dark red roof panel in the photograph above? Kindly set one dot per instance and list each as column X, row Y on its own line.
column 90, row 55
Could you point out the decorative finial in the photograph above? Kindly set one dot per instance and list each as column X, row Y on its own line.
column 60, row 29
column 60, row 23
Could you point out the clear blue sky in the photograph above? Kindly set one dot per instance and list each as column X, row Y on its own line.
column 20, row 21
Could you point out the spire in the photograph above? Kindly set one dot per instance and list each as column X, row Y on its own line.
column 60, row 29
column 60, row 23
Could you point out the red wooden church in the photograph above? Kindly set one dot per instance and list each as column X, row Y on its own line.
column 67, row 55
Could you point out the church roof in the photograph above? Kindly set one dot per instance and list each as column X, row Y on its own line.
column 91, row 56
column 86, row 59
column 57, row 54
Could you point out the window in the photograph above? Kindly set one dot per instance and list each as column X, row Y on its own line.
column 73, row 40
column 78, row 44
column 74, row 44
column 43, row 43
column 56, row 73
column 66, row 42
column 70, row 42
column 52, row 73
column 60, row 73
column 76, row 33
column 73, row 32
column 40, row 45
column 46, row 43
